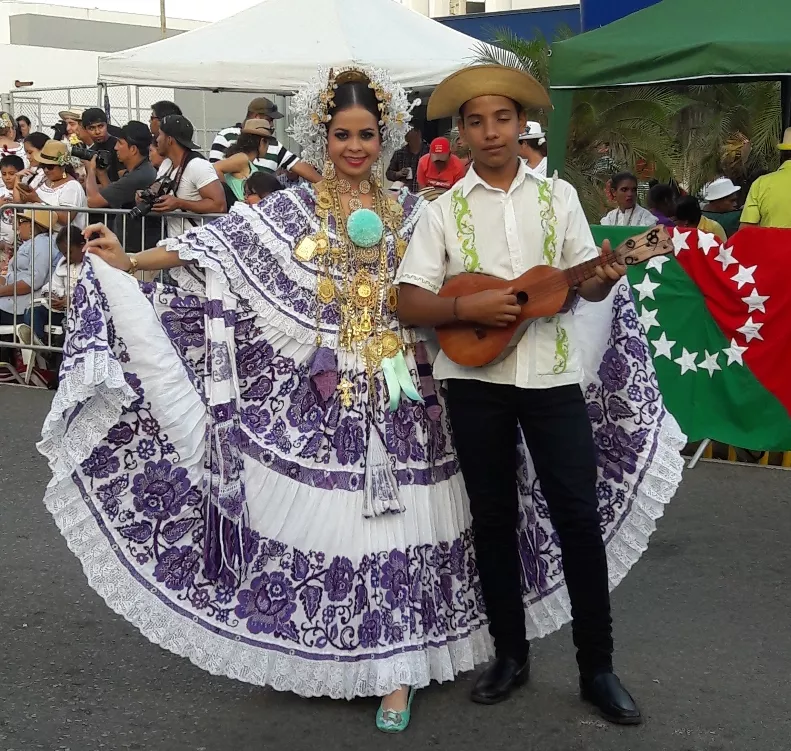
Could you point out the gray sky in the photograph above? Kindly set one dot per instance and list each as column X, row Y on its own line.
column 202, row 10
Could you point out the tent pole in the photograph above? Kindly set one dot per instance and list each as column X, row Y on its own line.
column 785, row 100
column 163, row 19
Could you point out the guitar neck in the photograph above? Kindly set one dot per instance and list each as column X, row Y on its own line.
column 580, row 273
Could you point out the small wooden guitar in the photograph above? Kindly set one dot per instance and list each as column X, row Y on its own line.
column 541, row 292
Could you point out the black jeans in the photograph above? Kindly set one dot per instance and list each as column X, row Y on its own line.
column 484, row 417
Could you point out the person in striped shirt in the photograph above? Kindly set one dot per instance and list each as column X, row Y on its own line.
column 277, row 156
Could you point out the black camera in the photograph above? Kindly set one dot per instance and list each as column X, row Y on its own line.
column 149, row 197
column 103, row 158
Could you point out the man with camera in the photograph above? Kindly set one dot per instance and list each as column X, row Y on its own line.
column 94, row 121
column 132, row 151
column 277, row 157
column 185, row 181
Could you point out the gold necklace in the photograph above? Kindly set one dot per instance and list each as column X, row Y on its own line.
column 355, row 202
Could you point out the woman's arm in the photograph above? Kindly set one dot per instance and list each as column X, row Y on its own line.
column 106, row 245
column 232, row 165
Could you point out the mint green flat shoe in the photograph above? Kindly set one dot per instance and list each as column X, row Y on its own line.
column 390, row 721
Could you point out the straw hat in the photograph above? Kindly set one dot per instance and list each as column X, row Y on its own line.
column 533, row 132
column 785, row 144
column 45, row 219
column 70, row 115
column 485, row 80
column 54, row 152
column 258, row 127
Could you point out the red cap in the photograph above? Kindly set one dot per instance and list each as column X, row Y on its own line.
column 440, row 146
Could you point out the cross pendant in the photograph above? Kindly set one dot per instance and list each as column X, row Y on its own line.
column 346, row 387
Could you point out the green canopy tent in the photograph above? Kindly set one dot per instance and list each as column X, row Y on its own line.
column 678, row 41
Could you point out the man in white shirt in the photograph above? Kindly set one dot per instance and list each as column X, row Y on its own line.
column 502, row 220
column 194, row 185
column 533, row 147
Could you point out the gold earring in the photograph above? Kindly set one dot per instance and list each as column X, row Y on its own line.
column 328, row 173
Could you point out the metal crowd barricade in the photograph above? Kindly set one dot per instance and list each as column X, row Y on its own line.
column 26, row 316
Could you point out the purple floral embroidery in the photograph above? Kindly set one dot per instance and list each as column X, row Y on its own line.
column 395, row 579
column 338, row 582
column 177, row 567
column 252, row 359
column 101, row 463
column 614, row 370
column 161, row 490
column 618, row 450
column 400, row 435
column 348, row 441
column 184, row 322
column 268, row 605
column 220, row 362
column 121, row 434
column 370, row 630
column 256, row 418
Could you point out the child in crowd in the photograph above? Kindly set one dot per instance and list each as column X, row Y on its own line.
column 70, row 243
column 629, row 212
column 259, row 185
column 690, row 216
column 9, row 166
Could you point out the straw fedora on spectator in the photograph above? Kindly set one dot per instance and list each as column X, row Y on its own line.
column 785, row 144
column 258, row 128
column 54, row 152
column 70, row 115
column 42, row 218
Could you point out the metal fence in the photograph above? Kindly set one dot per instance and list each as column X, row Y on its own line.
column 39, row 267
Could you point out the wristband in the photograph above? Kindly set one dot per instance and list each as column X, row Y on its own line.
column 132, row 265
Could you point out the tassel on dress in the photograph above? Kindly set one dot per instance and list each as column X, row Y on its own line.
column 380, row 495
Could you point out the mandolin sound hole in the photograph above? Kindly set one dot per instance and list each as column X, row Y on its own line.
column 480, row 333
column 521, row 298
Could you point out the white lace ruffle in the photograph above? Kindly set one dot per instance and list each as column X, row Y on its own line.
column 70, row 434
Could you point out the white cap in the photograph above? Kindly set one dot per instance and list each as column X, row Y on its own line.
column 722, row 187
column 533, row 131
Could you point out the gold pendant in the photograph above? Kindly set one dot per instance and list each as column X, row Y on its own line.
column 400, row 248
column 321, row 244
column 365, row 325
column 306, row 249
column 395, row 209
column 363, row 290
column 346, row 387
column 324, row 200
column 392, row 299
column 326, row 291
column 390, row 344
column 355, row 204
column 367, row 255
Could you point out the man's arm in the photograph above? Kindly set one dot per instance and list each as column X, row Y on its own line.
column 21, row 287
column 751, row 213
column 306, row 171
column 212, row 201
column 422, row 170
column 92, row 188
column 393, row 173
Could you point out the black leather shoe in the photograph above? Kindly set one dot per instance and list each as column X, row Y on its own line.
column 499, row 679
column 606, row 692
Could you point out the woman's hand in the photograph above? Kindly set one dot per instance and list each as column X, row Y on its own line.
column 103, row 243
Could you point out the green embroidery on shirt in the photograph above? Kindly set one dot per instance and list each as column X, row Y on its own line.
column 548, row 221
column 561, row 348
column 465, row 231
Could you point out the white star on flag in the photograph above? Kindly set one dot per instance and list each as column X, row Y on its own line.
column 647, row 319
column 707, row 241
column 725, row 257
column 751, row 330
column 686, row 361
column 709, row 362
column 663, row 346
column 646, row 288
column 657, row 262
column 680, row 241
column 734, row 353
column 744, row 276
column 755, row 301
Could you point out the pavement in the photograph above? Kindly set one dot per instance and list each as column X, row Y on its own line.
column 702, row 626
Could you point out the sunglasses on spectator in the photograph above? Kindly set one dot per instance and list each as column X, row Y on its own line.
column 49, row 166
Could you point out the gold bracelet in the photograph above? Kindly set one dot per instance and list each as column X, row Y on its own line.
column 132, row 265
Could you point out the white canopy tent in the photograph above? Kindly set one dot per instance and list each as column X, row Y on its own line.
column 277, row 45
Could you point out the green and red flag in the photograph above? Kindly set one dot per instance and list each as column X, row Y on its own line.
column 718, row 319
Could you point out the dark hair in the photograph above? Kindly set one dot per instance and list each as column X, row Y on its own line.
column 37, row 140
column 73, row 235
column 164, row 108
column 261, row 184
column 688, row 210
column 25, row 119
column 12, row 160
column 518, row 107
column 660, row 195
column 621, row 177
column 355, row 94
column 246, row 143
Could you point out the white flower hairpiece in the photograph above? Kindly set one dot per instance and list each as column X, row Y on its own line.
column 311, row 106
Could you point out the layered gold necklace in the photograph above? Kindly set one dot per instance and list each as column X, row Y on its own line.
column 356, row 277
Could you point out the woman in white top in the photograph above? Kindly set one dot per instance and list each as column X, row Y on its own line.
column 629, row 213
column 59, row 188
column 9, row 146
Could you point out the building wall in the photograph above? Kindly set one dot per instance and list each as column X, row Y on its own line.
column 81, row 34
column 524, row 23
